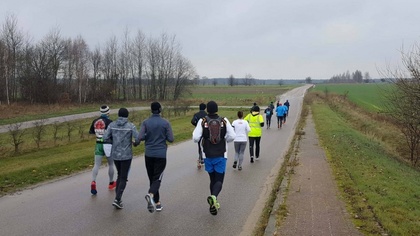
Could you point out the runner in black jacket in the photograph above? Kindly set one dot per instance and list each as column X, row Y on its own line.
column 197, row 116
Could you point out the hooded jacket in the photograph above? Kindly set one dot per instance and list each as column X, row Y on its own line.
column 256, row 121
column 121, row 134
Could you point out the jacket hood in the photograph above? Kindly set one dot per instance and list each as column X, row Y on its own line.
column 122, row 121
column 254, row 113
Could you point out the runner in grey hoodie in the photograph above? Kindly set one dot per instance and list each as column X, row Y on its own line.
column 123, row 134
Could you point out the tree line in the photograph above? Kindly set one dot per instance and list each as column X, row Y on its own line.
column 58, row 69
column 355, row 77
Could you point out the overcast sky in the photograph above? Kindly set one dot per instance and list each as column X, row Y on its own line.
column 269, row 39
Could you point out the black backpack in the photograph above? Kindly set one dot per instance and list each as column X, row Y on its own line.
column 214, row 129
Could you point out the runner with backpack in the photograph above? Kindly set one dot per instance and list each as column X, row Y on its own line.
column 268, row 114
column 214, row 132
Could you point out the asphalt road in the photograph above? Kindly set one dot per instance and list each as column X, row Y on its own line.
column 66, row 207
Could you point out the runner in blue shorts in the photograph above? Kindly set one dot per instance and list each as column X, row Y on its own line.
column 214, row 132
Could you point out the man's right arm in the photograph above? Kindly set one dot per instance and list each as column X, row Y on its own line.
column 198, row 131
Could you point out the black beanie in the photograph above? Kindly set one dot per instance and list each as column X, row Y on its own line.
column 155, row 106
column 256, row 108
column 212, row 107
column 123, row 112
column 202, row 106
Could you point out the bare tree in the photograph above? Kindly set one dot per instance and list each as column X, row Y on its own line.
column 367, row 77
column 56, row 126
column 184, row 72
column 124, row 63
column 81, row 57
column 404, row 98
column 308, row 80
column 109, row 69
column 46, row 62
column 13, row 40
column 38, row 131
column 357, row 76
column 70, row 127
column 248, row 80
column 231, row 80
column 204, row 80
column 96, row 60
column 16, row 134
column 139, row 51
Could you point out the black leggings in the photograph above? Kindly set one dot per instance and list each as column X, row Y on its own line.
column 216, row 182
column 257, row 146
column 280, row 121
column 155, row 167
column 268, row 120
column 122, row 174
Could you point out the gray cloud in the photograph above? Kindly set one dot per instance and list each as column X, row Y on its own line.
column 269, row 39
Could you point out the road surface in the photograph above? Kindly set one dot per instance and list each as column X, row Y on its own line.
column 66, row 207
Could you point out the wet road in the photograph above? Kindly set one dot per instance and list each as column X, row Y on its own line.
column 66, row 207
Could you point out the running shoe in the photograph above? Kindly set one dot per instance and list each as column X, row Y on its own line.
column 234, row 164
column 239, row 167
column 118, row 204
column 151, row 205
column 214, row 205
column 93, row 188
column 112, row 185
column 159, row 207
column 252, row 159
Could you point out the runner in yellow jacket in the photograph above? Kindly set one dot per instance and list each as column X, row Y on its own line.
column 256, row 122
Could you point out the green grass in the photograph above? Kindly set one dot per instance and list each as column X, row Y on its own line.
column 377, row 187
column 369, row 96
column 239, row 95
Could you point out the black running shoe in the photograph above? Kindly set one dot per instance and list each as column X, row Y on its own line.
column 252, row 160
column 159, row 207
column 234, row 164
column 118, row 204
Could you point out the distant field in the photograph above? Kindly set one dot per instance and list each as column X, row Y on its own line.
column 368, row 96
column 239, row 95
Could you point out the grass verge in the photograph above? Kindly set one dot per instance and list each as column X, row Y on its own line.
column 381, row 193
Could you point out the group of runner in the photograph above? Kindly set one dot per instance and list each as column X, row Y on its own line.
column 212, row 132
column 282, row 111
column 122, row 135
column 242, row 130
